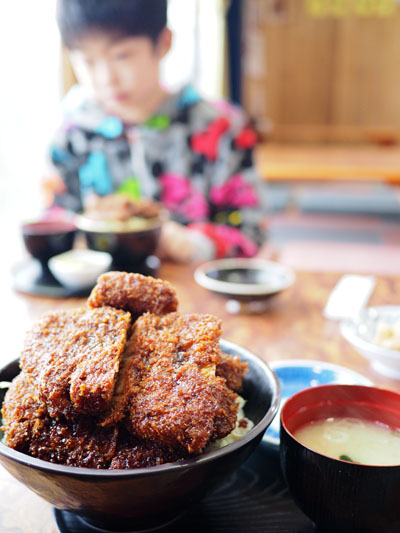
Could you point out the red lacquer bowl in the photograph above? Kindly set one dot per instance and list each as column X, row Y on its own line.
column 341, row 496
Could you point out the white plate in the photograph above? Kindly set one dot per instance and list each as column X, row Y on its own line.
column 361, row 331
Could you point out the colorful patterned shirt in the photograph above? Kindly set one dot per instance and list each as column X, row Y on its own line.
column 194, row 157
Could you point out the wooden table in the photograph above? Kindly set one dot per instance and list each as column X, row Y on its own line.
column 292, row 328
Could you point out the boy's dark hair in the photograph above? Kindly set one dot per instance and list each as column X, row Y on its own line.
column 123, row 18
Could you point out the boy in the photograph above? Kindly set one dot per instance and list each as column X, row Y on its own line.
column 123, row 133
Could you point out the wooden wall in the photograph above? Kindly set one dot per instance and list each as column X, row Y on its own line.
column 321, row 78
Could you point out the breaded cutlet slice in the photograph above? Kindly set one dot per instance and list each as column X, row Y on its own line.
column 195, row 339
column 196, row 336
column 180, row 407
column 232, row 369
column 170, row 393
column 134, row 293
column 22, row 413
column 29, row 429
column 199, row 337
column 72, row 359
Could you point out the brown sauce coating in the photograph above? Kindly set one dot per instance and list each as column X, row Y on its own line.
column 72, row 359
column 134, row 293
column 22, row 413
column 133, row 452
column 232, row 369
column 79, row 443
column 29, row 429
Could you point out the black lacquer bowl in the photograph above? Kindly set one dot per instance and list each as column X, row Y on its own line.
column 340, row 496
column 145, row 498
column 130, row 244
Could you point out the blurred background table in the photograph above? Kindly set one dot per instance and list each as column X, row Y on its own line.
column 328, row 162
column 292, row 328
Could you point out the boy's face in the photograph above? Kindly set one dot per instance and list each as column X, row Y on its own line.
column 122, row 73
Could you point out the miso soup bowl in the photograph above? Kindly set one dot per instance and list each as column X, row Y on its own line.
column 145, row 499
column 341, row 496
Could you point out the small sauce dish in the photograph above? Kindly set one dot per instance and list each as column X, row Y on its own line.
column 79, row 269
column 248, row 283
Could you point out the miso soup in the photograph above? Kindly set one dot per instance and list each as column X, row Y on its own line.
column 352, row 439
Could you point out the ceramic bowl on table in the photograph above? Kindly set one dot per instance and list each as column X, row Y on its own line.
column 131, row 243
column 79, row 269
column 361, row 332
column 247, row 283
column 336, row 494
column 145, row 498
column 296, row 375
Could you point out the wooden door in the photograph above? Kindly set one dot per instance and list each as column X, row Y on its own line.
column 322, row 78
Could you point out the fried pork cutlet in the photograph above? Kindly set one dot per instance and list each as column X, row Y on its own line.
column 195, row 340
column 232, row 369
column 75, row 443
column 188, row 410
column 72, row 359
column 29, row 429
column 170, row 393
column 100, row 391
column 133, row 452
column 22, row 413
column 134, row 293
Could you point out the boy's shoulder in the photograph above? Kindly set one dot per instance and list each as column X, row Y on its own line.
column 204, row 112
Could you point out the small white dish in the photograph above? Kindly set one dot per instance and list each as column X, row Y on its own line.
column 250, row 280
column 79, row 269
column 298, row 374
column 361, row 332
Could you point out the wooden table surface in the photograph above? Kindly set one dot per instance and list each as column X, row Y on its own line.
column 291, row 328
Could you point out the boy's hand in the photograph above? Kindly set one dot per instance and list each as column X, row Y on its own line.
column 183, row 245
